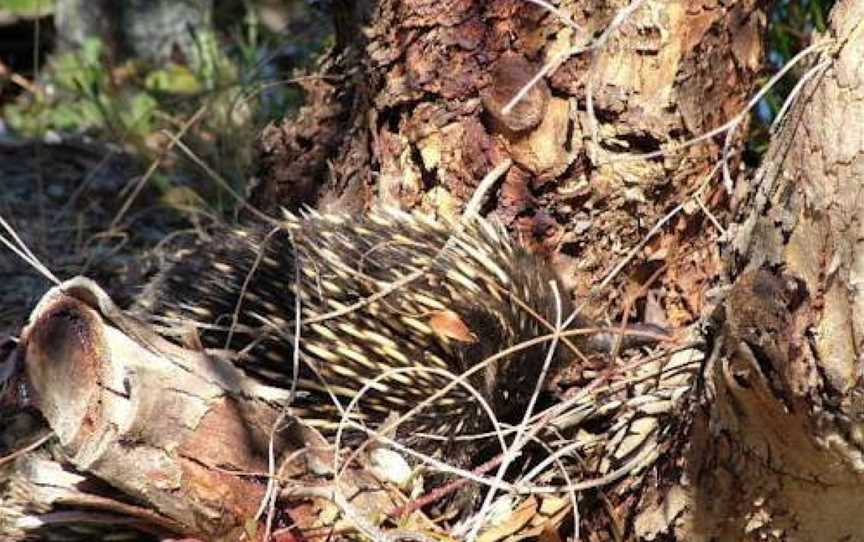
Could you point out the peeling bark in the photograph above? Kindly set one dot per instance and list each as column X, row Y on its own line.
column 421, row 123
column 182, row 434
column 783, row 427
column 151, row 421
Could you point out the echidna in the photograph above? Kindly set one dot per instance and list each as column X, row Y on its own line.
column 479, row 296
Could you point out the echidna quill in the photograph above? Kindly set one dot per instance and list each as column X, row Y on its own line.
column 480, row 295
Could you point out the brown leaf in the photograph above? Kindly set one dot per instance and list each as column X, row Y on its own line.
column 450, row 325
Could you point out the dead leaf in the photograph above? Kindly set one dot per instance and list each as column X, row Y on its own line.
column 512, row 524
column 450, row 325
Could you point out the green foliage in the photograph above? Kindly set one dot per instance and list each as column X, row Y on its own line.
column 27, row 8
column 80, row 97
column 173, row 79
column 793, row 21
column 791, row 28
column 231, row 74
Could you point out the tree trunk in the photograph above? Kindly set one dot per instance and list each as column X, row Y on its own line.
column 153, row 31
column 781, row 438
column 752, row 434
column 411, row 115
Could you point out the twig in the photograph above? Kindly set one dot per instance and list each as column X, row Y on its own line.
column 442, row 491
column 29, row 448
column 175, row 139
column 810, row 74
column 270, row 494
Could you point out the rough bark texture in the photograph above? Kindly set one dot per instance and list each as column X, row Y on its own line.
column 782, row 444
column 415, row 120
column 327, row 139
column 182, row 435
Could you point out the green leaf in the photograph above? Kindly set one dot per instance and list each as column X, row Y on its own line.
column 137, row 116
column 28, row 8
column 173, row 79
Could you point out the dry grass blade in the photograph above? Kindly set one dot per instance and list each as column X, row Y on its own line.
column 26, row 449
column 17, row 246
column 174, row 140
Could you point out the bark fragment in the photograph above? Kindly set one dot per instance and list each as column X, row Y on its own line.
column 150, row 419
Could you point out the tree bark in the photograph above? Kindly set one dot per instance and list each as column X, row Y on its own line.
column 753, row 434
column 410, row 115
column 181, row 434
column 782, row 435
